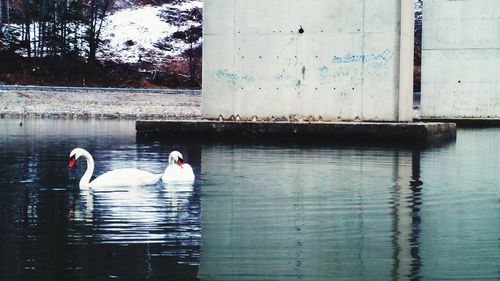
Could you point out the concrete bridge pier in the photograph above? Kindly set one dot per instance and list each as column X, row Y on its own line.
column 292, row 68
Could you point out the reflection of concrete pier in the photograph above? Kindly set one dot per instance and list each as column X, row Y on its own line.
column 315, row 222
column 406, row 216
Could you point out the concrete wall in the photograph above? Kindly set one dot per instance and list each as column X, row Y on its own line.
column 345, row 65
column 461, row 58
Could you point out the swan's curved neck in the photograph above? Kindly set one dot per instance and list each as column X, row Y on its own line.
column 85, row 180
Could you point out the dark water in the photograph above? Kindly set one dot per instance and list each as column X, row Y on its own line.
column 256, row 212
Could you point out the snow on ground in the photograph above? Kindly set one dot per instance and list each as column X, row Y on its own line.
column 141, row 27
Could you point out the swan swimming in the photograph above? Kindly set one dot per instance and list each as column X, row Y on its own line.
column 118, row 177
column 177, row 170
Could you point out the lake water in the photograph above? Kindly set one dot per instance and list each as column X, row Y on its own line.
column 256, row 211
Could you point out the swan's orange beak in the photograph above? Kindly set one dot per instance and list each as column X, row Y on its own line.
column 180, row 162
column 72, row 161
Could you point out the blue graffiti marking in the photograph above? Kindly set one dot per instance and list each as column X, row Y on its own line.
column 228, row 76
column 323, row 74
column 323, row 69
column 285, row 77
column 231, row 77
column 383, row 57
column 247, row 77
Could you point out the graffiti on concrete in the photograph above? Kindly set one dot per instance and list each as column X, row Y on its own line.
column 376, row 59
column 231, row 77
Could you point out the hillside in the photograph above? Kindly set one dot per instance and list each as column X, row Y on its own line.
column 140, row 44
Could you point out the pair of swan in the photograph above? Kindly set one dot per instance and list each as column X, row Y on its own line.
column 176, row 171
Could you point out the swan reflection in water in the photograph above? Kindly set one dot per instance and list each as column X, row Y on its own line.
column 161, row 213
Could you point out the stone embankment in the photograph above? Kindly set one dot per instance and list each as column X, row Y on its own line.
column 98, row 104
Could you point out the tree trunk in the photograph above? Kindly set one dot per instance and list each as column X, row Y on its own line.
column 27, row 21
column 96, row 20
column 27, row 39
column 7, row 11
column 64, row 31
column 1, row 16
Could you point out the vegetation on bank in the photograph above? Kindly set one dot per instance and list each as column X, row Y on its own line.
column 56, row 42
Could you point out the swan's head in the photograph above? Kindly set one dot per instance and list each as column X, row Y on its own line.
column 74, row 155
column 175, row 158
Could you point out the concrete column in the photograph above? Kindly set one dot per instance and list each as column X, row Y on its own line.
column 405, row 106
column 297, row 59
column 460, row 59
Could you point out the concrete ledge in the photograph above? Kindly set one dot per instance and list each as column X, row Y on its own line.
column 349, row 132
column 467, row 122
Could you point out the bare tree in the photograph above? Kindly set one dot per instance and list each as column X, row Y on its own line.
column 417, row 58
column 26, row 38
column 4, row 17
column 191, row 36
column 96, row 17
column 7, row 11
column 1, row 17
column 418, row 22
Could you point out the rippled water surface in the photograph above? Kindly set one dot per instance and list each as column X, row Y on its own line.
column 256, row 211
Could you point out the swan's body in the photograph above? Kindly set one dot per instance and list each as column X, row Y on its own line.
column 125, row 177
column 119, row 177
column 177, row 170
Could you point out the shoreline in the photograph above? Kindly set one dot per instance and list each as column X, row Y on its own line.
column 99, row 105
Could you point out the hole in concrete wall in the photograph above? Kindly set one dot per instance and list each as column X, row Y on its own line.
column 459, row 81
column 353, row 89
column 301, row 30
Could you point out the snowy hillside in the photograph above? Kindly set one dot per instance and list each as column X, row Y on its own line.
column 132, row 35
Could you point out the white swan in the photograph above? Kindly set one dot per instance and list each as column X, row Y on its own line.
column 119, row 177
column 177, row 170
